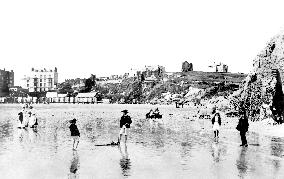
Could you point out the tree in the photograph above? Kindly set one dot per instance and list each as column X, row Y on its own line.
column 65, row 88
column 90, row 83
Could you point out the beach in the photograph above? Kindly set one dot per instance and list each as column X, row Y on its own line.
column 180, row 145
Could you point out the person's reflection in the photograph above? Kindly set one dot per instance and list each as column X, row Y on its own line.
column 22, row 135
column 276, row 150
column 242, row 163
column 33, row 135
column 74, row 167
column 216, row 152
column 125, row 163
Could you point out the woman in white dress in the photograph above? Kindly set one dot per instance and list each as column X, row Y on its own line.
column 32, row 121
column 216, row 122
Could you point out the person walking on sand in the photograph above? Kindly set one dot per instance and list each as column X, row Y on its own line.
column 216, row 122
column 75, row 134
column 243, row 127
column 125, row 122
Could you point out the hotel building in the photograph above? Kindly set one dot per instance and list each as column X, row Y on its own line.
column 41, row 80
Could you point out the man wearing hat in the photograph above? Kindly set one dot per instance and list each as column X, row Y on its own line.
column 125, row 122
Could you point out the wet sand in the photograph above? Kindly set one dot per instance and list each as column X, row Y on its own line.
column 178, row 146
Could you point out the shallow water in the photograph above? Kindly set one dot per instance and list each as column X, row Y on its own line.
column 179, row 146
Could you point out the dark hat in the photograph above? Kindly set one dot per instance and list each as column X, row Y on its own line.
column 73, row 120
column 125, row 111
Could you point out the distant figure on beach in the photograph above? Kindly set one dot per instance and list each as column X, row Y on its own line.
column 125, row 122
column 151, row 112
column 26, row 116
column 243, row 126
column 21, row 118
column 156, row 112
column 75, row 134
column 216, row 122
column 31, row 109
column 33, row 121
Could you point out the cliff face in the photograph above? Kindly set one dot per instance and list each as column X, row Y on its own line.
column 261, row 92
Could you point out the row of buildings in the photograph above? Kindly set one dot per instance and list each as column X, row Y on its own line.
column 37, row 80
column 43, row 80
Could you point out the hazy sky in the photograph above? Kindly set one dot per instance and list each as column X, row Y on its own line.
column 111, row 36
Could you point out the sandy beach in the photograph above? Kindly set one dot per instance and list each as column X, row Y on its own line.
column 178, row 146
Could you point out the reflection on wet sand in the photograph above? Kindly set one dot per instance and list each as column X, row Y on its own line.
column 124, row 162
column 74, row 167
column 242, row 163
column 276, row 150
column 33, row 135
column 216, row 152
column 176, row 148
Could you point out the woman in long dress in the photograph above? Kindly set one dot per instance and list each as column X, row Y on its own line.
column 216, row 122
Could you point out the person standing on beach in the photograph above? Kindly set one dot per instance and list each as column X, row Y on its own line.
column 243, row 127
column 33, row 121
column 125, row 122
column 75, row 134
column 216, row 122
column 21, row 118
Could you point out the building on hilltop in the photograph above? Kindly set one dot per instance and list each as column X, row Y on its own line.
column 147, row 71
column 158, row 71
column 186, row 67
column 218, row 67
column 6, row 81
column 41, row 80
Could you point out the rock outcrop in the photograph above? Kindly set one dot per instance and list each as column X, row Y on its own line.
column 261, row 92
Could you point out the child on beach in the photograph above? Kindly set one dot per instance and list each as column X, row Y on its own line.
column 21, row 118
column 75, row 134
column 216, row 122
column 125, row 122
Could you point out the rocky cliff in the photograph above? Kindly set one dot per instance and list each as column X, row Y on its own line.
column 261, row 93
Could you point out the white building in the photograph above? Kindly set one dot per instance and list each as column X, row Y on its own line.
column 41, row 80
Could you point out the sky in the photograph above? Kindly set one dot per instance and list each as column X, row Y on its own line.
column 108, row 37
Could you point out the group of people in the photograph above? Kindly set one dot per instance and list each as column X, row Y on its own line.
column 153, row 114
column 125, row 122
column 242, row 126
column 27, row 117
